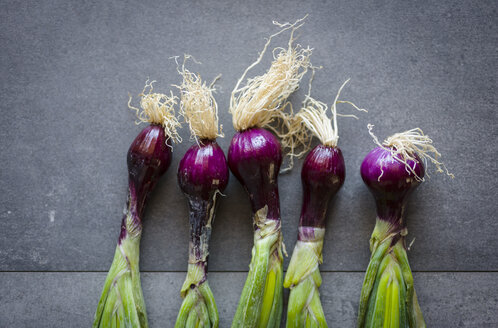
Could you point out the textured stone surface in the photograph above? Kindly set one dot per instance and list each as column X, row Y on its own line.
column 66, row 70
column 55, row 299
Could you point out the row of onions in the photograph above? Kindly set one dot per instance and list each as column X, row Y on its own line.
column 262, row 114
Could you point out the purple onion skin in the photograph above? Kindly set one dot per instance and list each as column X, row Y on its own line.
column 202, row 172
column 395, row 184
column 254, row 157
column 322, row 175
column 149, row 156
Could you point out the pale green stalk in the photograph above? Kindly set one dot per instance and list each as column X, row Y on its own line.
column 199, row 307
column 304, row 279
column 261, row 302
column 388, row 298
column 121, row 303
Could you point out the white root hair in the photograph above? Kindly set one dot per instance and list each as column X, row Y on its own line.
column 197, row 104
column 313, row 120
column 264, row 98
column 157, row 108
column 406, row 144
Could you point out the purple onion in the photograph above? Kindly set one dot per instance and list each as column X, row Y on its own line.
column 322, row 175
column 149, row 156
column 254, row 158
column 203, row 170
column 202, row 173
column 390, row 182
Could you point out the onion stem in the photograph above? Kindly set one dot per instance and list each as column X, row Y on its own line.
column 122, row 300
column 303, row 278
column 388, row 298
column 261, row 301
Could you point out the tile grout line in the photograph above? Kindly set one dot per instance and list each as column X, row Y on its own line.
column 181, row 271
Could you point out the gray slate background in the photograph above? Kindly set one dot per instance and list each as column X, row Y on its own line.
column 66, row 70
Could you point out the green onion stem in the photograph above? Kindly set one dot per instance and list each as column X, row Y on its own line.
column 304, row 279
column 121, row 303
column 261, row 301
column 388, row 298
column 199, row 307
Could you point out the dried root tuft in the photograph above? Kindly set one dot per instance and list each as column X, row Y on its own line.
column 197, row 103
column 408, row 143
column 313, row 120
column 264, row 98
column 157, row 108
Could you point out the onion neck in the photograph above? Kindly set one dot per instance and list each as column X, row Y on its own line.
column 131, row 224
column 265, row 196
column 200, row 219
column 391, row 211
column 390, row 224
column 390, row 206
column 314, row 209
column 138, row 192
